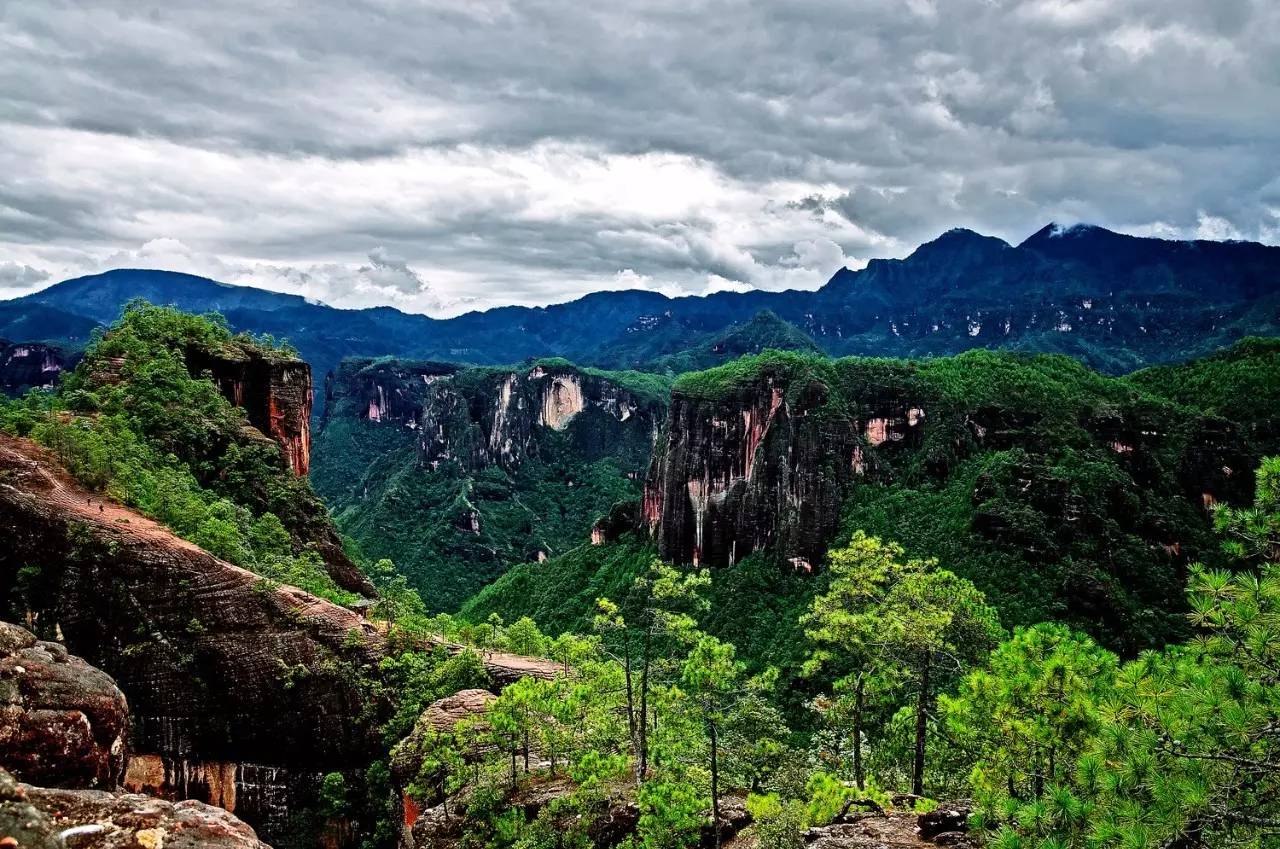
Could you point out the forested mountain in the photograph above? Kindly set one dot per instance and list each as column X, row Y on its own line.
column 1116, row 302
column 745, row 603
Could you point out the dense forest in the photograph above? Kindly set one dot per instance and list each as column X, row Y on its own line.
column 1026, row 602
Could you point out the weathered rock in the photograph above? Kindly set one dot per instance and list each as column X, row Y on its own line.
column 870, row 831
column 63, row 723
column 767, row 463
column 442, row 716
column 28, row 365
column 486, row 417
column 104, row 820
column 274, row 392
column 947, row 817
column 21, row 822
column 241, row 691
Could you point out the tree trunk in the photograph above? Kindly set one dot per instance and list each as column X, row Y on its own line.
column 715, row 784
column 857, row 734
column 631, row 699
column 922, row 719
column 642, row 752
column 526, row 751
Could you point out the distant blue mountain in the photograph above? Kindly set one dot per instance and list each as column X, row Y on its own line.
column 1116, row 301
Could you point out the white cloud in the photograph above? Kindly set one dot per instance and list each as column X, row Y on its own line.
column 373, row 152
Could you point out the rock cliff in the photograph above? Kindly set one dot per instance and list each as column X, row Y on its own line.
column 28, row 365
column 481, row 417
column 63, row 723
column 435, row 465
column 274, row 392
column 243, row 693
column 767, row 463
column 1058, row 491
column 40, row 818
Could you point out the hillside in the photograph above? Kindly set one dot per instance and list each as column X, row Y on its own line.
column 1116, row 302
column 1060, row 492
column 456, row 473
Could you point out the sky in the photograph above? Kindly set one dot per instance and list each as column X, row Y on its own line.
column 447, row 155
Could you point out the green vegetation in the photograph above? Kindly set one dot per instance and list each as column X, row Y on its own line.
column 133, row 423
column 456, row 520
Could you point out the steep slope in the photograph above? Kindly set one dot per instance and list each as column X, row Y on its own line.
column 32, row 365
column 1118, row 302
column 457, row 473
column 244, row 693
column 1062, row 493
column 167, row 409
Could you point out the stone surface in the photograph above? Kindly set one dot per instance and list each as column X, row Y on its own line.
column 104, row 820
column 63, row 723
column 258, row 685
column 480, row 418
column 27, row 365
column 947, row 817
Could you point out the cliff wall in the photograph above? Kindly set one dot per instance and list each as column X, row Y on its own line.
column 31, row 365
column 243, row 693
column 763, row 453
column 482, row 417
column 274, row 392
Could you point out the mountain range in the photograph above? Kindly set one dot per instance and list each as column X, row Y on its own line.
column 1115, row 301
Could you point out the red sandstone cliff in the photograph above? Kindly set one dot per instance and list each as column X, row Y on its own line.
column 243, row 693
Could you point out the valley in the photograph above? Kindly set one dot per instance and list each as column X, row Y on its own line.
column 695, row 588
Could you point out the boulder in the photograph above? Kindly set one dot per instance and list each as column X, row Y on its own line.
column 63, row 723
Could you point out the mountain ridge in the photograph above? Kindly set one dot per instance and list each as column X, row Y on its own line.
column 1118, row 302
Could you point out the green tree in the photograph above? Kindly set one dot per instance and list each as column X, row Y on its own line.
column 904, row 618
column 711, row 675
column 647, row 635
column 1031, row 712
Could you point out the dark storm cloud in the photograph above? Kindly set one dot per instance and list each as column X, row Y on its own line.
column 530, row 151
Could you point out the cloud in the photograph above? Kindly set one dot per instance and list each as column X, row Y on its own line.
column 448, row 154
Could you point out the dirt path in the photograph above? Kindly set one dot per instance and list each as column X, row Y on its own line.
column 31, row 470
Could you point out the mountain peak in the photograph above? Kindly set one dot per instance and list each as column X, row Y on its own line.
column 959, row 244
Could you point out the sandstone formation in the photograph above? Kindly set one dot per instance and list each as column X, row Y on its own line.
column 274, row 391
column 767, row 459
column 767, row 465
column 39, row 818
column 63, row 723
column 242, row 692
column 479, row 417
column 28, row 365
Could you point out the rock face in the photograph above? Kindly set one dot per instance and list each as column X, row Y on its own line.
column 28, row 365
column 1101, row 487
column 767, row 465
column 63, row 723
column 38, row 818
column 243, row 693
column 495, row 417
column 275, row 393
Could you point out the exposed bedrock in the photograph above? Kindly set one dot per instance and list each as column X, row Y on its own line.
column 242, row 692
column 42, row 818
column 27, row 365
column 496, row 417
column 274, row 392
column 63, row 723
column 767, row 461
column 766, row 466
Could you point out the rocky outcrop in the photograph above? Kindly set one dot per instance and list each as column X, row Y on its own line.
column 274, row 391
column 767, row 463
column 243, row 692
column 39, row 818
column 480, row 417
column 31, row 365
column 63, row 723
